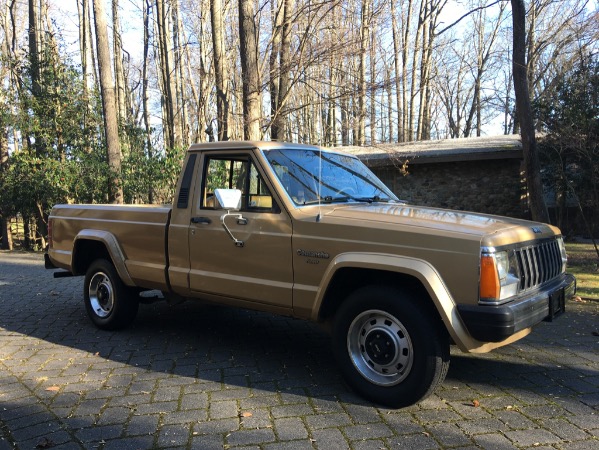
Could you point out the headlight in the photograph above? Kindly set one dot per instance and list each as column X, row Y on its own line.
column 499, row 276
column 562, row 249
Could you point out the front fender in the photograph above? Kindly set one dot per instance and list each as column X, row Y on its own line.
column 422, row 271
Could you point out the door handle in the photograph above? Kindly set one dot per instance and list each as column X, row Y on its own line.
column 201, row 220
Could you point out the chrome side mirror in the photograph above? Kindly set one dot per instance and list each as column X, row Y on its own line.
column 230, row 199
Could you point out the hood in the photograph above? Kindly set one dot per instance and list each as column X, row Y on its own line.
column 493, row 230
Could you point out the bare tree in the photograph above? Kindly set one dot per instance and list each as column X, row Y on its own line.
column 5, row 231
column 35, row 50
column 88, row 70
column 532, row 168
column 365, row 18
column 113, row 145
column 484, row 44
column 282, row 60
column 168, row 71
column 248, row 49
column 220, row 70
column 146, row 6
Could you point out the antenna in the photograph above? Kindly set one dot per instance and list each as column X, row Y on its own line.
column 319, row 216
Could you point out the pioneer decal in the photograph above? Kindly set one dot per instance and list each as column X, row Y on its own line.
column 313, row 254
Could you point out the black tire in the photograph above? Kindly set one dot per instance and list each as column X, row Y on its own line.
column 110, row 304
column 390, row 349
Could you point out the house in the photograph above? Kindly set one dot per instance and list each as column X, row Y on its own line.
column 482, row 174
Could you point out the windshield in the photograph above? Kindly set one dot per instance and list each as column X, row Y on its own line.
column 313, row 176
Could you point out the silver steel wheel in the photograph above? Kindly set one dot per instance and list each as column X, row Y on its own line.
column 380, row 348
column 101, row 294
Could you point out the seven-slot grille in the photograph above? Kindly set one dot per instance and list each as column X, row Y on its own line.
column 538, row 263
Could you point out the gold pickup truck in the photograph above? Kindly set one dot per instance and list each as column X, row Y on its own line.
column 312, row 233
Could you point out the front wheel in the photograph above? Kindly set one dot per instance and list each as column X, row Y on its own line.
column 390, row 349
column 109, row 303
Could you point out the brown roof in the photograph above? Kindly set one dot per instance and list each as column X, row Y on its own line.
column 444, row 150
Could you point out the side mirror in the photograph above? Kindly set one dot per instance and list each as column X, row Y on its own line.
column 229, row 199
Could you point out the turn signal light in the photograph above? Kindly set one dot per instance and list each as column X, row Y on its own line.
column 489, row 278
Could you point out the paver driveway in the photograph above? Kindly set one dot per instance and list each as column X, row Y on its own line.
column 196, row 376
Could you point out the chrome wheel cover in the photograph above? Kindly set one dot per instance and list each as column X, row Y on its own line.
column 380, row 348
column 101, row 295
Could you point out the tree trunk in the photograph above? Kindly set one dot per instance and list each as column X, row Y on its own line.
column 373, row 85
column 364, row 33
column 406, row 126
column 5, row 232
column 167, row 66
column 180, row 82
column 119, row 73
column 536, row 200
column 344, row 104
column 144, row 78
column 113, row 145
column 388, row 84
column 144, row 91
column 280, row 118
column 35, row 46
column 398, row 75
column 276, row 14
column 417, row 50
column 220, row 70
column 248, row 47
column 86, row 64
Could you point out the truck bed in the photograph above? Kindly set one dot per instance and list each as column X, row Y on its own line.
column 141, row 231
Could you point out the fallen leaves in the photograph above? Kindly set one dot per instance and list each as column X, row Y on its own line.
column 45, row 443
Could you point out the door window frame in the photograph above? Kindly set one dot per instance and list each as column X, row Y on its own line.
column 245, row 202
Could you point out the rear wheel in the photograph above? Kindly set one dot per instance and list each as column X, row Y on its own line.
column 109, row 303
column 390, row 348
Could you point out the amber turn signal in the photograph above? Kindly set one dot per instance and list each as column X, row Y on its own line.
column 489, row 278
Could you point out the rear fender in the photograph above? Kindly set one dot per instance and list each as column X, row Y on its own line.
column 112, row 246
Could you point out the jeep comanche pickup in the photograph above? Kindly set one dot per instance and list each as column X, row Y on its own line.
column 312, row 233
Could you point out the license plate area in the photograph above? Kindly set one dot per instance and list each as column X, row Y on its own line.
column 557, row 304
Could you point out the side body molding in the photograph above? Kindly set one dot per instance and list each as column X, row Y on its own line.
column 419, row 269
column 112, row 246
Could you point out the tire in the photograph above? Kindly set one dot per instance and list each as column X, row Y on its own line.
column 390, row 350
column 110, row 304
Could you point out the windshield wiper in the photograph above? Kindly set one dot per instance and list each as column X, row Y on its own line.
column 373, row 199
column 326, row 199
column 346, row 198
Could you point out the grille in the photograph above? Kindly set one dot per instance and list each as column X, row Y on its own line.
column 538, row 264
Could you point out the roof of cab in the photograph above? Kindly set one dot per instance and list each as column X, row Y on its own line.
column 248, row 145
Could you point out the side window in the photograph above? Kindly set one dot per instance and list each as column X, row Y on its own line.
column 236, row 173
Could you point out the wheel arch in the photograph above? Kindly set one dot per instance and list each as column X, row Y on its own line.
column 348, row 272
column 348, row 279
column 90, row 245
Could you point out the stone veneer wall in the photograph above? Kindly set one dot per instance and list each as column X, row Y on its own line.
column 487, row 186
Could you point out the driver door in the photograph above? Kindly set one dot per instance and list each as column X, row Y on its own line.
column 260, row 269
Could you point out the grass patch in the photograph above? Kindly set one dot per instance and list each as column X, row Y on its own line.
column 583, row 263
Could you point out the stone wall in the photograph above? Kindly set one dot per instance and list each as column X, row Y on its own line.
column 487, row 186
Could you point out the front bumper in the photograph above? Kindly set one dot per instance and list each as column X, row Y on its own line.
column 488, row 323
